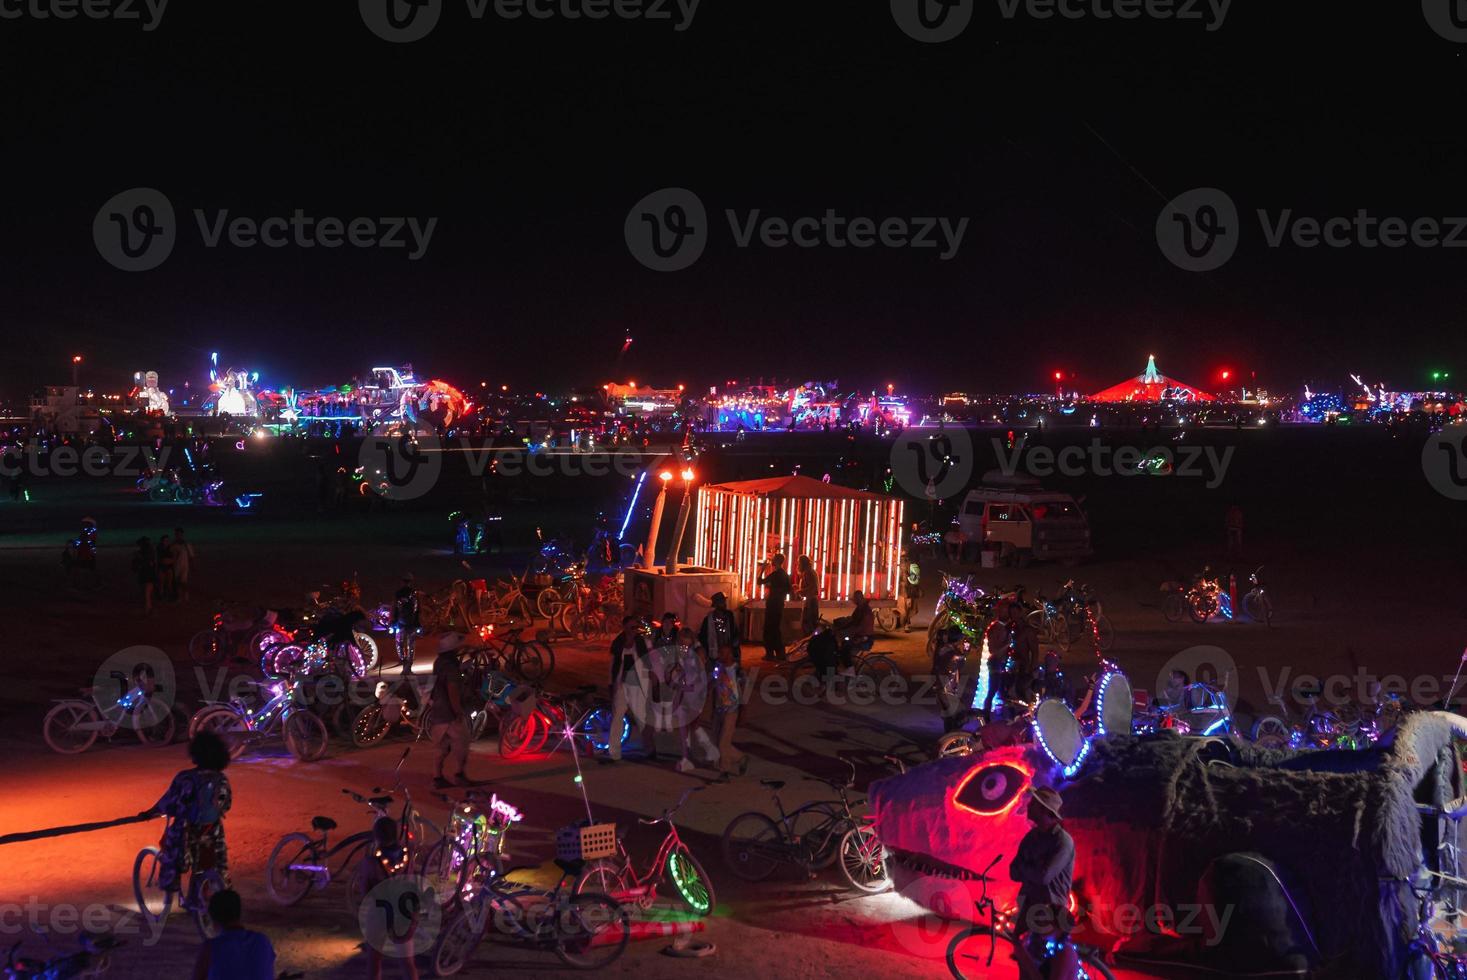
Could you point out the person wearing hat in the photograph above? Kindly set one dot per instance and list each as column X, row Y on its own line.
column 406, row 621
column 448, row 725
column 1044, row 867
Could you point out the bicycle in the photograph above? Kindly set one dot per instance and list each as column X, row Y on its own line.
column 618, row 877
column 967, row 958
column 1258, row 601
column 585, row 930
column 549, row 600
column 73, row 725
column 580, row 715
column 92, row 960
column 533, row 661
column 1079, row 613
column 1318, row 728
column 300, row 863
column 284, row 713
column 155, row 903
column 1426, row 956
column 811, row 837
column 472, row 850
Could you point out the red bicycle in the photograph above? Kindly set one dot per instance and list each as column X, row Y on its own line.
column 618, row 876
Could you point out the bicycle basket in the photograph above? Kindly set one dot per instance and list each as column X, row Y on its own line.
column 585, row 843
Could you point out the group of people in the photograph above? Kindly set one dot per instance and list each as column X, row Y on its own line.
column 163, row 570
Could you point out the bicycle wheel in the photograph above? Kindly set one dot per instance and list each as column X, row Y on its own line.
column 597, row 728
column 1271, row 732
column 205, row 885
column 153, row 902
column 370, row 727
column 515, row 735
column 863, row 860
column 548, row 603
column 460, row 937
column 208, row 647
column 879, row 667
column 568, row 620
column 753, row 846
column 153, row 722
column 1105, row 633
column 445, row 867
column 283, row 881
column 820, row 826
column 980, row 954
column 691, row 881
column 1174, row 607
column 1062, row 636
column 1201, row 608
column 62, row 727
column 886, row 620
column 224, row 722
column 604, row 876
column 591, row 931
column 366, row 643
column 305, row 735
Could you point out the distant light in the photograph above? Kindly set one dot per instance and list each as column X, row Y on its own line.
column 1059, row 375
column 76, row 359
column 1226, row 375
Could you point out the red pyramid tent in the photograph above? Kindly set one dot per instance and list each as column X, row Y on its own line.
column 1152, row 386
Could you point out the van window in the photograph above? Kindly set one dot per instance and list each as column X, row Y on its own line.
column 1002, row 512
column 973, row 507
column 1053, row 510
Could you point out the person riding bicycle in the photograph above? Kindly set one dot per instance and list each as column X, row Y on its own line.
column 1044, row 867
column 195, row 803
column 406, row 621
column 852, row 630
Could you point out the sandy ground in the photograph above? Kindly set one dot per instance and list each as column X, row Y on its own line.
column 57, row 639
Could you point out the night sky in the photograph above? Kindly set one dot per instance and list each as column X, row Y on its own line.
column 530, row 141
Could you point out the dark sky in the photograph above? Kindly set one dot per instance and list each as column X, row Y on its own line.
column 530, row 141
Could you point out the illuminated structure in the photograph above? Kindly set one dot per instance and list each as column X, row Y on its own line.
column 853, row 537
column 1152, row 386
column 150, row 397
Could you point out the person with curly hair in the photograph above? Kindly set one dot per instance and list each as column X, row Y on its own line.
column 195, row 804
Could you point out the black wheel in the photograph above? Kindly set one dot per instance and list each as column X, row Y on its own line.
column 752, row 846
column 445, row 867
column 533, row 661
column 1105, row 633
column 1201, row 608
column 285, row 884
column 820, row 826
column 980, row 954
column 153, row 722
column 458, row 940
column 1174, row 607
column 305, row 735
column 205, row 885
column 208, row 647
column 956, row 744
column 591, row 931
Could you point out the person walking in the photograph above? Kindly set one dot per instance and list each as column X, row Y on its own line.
column 627, row 650
column 406, row 622
column 145, row 567
column 809, row 589
column 236, row 953
column 183, row 556
column 777, row 582
column 725, row 678
column 448, row 724
column 166, row 588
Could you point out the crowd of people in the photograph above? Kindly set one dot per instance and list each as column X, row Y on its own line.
column 164, row 568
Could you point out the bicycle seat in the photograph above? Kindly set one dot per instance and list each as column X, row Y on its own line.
column 772, row 783
column 323, row 823
column 570, row 867
column 379, row 800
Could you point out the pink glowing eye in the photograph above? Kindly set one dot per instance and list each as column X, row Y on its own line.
column 992, row 789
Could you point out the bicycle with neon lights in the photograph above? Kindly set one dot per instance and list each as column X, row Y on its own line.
column 472, row 850
column 301, row 863
column 1080, row 616
column 92, row 960
column 990, row 950
column 581, row 716
column 586, row 931
column 619, row 878
column 74, row 724
column 284, row 713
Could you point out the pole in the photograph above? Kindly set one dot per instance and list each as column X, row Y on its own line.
column 649, row 554
column 682, row 528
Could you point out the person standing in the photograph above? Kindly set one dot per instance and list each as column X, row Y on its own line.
column 195, row 805
column 145, row 567
column 777, row 582
column 627, row 650
column 448, row 724
column 911, row 592
column 236, row 953
column 406, row 622
column 725, row 678
column 166, row 586
column 809, row 588
column 183, row 556
column 666, row 634
column 719, row 629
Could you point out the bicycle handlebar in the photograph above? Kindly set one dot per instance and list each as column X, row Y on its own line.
column 667, row 814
